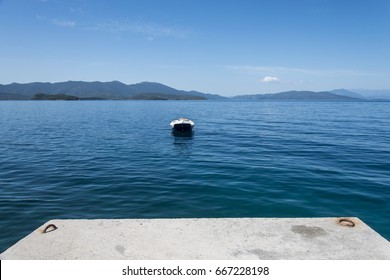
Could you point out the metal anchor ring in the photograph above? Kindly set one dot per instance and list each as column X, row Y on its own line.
column 50, row 228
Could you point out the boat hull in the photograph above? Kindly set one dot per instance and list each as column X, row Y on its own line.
column 183, row 134
column 182, row 127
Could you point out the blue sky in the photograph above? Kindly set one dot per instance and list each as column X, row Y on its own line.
column 217, row 46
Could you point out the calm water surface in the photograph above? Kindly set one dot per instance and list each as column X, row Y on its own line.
column 118, row 159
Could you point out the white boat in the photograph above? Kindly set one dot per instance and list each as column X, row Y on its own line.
column 182, row 125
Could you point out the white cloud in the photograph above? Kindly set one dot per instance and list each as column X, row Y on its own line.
column 65, row 23
column 40, row 18
column 151, row 30
column 269, row 79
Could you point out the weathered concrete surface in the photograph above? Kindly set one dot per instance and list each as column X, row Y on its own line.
column 238, row 238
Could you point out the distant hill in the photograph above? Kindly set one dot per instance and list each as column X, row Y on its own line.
column 298, row 96
column 346, row 92
column 101, row 90
column 374, row 94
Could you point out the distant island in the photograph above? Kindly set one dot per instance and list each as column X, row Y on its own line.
column 78, row 90
column 142, row 96
column 43, row 96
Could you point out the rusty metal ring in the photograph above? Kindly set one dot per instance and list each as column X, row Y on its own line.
column 50, row 228
column 346, row 222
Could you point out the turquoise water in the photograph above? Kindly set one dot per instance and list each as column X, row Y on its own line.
column 118, row 159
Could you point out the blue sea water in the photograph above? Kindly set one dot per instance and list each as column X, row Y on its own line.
column 119, row 159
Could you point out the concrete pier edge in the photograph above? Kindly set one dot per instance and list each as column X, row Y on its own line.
column 202, row 239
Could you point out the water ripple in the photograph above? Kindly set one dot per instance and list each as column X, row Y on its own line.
column 120, row 160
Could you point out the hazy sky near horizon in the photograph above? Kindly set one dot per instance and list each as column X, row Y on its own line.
column 218, row 46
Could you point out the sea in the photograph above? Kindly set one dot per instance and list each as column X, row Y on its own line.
column 120, row 159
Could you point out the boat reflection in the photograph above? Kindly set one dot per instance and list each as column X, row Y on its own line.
column 182, row 142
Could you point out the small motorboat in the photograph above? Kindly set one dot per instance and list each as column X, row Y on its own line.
column 182, row 125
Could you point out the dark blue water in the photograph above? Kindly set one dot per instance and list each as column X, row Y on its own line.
column 118, row 159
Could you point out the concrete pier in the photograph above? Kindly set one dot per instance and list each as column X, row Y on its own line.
column 206, row 239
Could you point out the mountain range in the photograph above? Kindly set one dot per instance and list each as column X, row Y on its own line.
column 78, row 90
column 101, row 90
